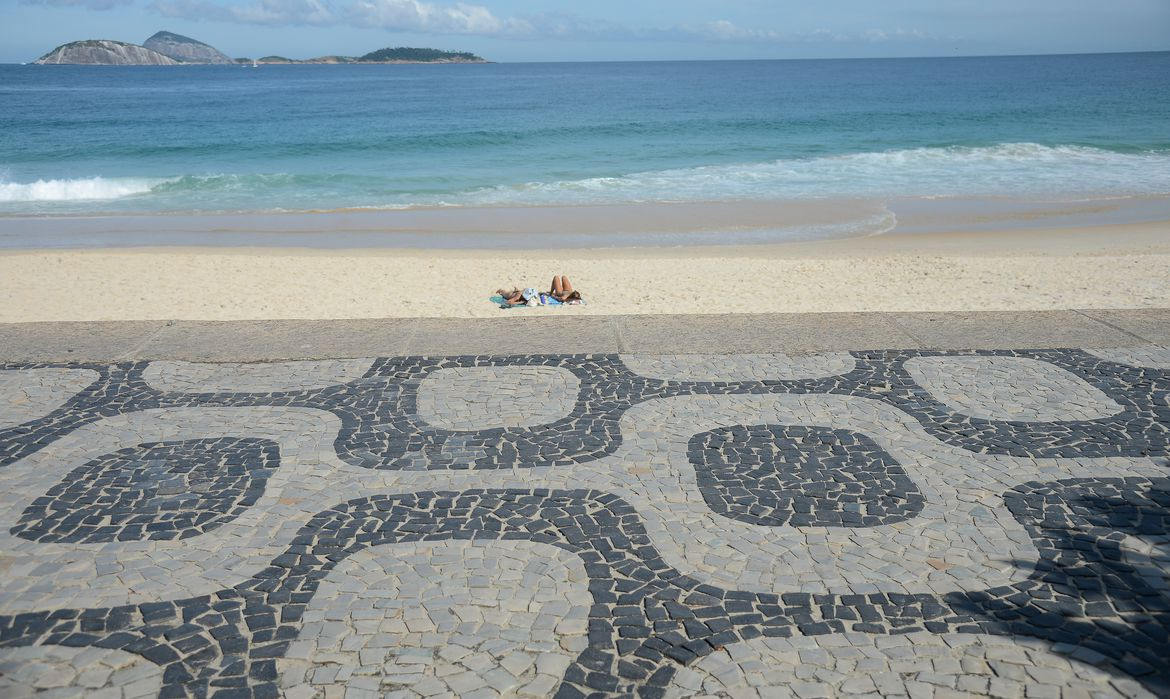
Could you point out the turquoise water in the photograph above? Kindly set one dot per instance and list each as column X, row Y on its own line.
column 109, row 140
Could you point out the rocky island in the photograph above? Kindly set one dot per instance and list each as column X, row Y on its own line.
column 103, row 52
column 185, row 49
column 401, row 54
column 167, row 49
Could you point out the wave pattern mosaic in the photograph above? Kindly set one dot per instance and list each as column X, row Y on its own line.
column 888, row 523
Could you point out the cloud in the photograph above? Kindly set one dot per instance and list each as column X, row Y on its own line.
column 723, row 30
column 460, row 18
column 91, row 4
column 872, row 36
column 393, row 15
column 278, row 13
column 899, row 34
column 285, row 12
column 429, row 18
column 565, row 25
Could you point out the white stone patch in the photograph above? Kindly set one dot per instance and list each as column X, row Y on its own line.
column 451, row 618
column 739, row 367
column 27, row 394
column 1010, row 388
column 267, row 377
column 58, row 672
column 478, row 398
column 915, row 665
column 1149, row 357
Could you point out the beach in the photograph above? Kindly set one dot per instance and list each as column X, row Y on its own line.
column 873, row 366
column 684, row 188
column 1089, row 267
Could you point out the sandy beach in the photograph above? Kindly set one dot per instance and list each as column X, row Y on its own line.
column 1107, row 266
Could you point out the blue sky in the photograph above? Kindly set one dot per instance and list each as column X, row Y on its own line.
column 557, row 30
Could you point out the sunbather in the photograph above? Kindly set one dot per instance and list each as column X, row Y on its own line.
column 519, row 297
column 562, row 289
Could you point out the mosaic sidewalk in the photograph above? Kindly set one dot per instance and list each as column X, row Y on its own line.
column 886, row 523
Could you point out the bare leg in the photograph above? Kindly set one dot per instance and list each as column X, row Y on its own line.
column 561, row 287
column 512, row 298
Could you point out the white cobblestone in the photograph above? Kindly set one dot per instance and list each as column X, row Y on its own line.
column 777, row 670
column 31, row 393
column 483, row 397
column 740, row 367
column 1010, row 388
column 266, row 377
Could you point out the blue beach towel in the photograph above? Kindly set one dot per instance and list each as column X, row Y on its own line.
column 547, row 301
column 499, row 301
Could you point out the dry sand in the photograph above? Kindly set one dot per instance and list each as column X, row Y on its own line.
column 1121, row 266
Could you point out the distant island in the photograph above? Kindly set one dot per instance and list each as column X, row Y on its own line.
column 168, row 49
column 402, row 54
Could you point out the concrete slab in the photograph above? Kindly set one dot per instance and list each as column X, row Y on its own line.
column 1009, row 329
column 248, row 341
column 46, row 342
column 580, row 335
column 731, row 334
column 1150, row 324
column 253, row 341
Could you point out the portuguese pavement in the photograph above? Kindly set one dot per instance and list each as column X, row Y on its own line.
column 980, row 521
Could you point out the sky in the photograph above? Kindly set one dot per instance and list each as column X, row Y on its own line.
column 561, row 30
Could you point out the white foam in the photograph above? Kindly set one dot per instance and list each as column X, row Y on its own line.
column 91, row 189
column 1006, row 169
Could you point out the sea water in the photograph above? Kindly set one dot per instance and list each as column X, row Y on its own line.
column 100, row 140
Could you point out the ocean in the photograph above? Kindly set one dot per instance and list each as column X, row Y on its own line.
column 195, row 140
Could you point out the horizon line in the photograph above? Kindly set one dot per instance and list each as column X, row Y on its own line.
column 844, row 58
column 659, row 60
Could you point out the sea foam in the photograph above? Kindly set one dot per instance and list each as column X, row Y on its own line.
column 1051, row 173
column 1010, row 169
column 88, row 189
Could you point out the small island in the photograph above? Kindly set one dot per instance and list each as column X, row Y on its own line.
column 166, row 48
column 401, row 54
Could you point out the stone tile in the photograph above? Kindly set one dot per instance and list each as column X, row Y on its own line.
column 268, row 377
column 546, row 524
column 32, row 393
column 1010, row 388
column 740, row 367
column 477, row 398
column 1152, row 357
column 436, row 586
column 860, row 666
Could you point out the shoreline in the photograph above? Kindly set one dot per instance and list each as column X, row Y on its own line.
column 1104, row 267
column 659, row 225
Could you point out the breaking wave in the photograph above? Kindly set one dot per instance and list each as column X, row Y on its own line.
column 1014, row 169
column 88, row 189
column 1001, row 170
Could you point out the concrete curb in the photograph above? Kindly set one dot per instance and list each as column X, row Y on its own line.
column 254, row 341
column 244, row 341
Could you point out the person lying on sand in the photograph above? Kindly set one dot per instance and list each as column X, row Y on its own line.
column 562, row 289
column 560, row 292
column 519, row 297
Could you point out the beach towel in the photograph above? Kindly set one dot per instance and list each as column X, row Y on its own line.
column 499, row 301
column 544, row 300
